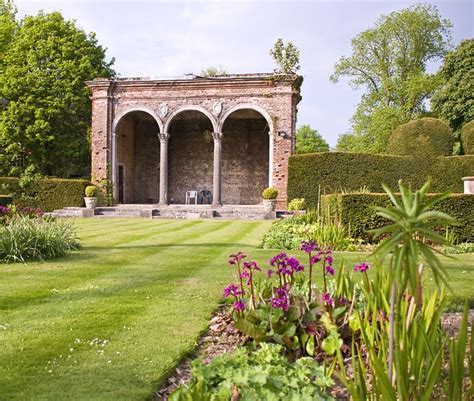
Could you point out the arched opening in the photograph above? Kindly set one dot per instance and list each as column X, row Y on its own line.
column 190, row 155
column 138, row 158
column 245, row 157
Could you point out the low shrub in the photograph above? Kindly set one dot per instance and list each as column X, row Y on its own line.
column 262, row 374
column 357, row 212
column 464, row 247
column 25, row 237
column 296, row 204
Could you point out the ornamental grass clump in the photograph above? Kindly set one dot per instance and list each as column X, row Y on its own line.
column 24, row 237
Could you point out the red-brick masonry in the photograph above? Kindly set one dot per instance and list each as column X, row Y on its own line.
column 274, row 96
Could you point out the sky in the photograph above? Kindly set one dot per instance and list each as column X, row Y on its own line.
column 167, row 39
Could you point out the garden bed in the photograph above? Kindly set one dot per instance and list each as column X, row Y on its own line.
column 222, row 337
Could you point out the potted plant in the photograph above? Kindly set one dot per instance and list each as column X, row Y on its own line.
column 269, row 198
column 90, row 199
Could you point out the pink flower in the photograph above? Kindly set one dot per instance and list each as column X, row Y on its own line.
column 361, row 267
column 327, row 299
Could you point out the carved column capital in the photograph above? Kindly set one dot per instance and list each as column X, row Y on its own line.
column 217, row 136
column 164, row 137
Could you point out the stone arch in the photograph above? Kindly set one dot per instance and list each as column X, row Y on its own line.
column 247, row 144
column 131, row 109
column 135, row 167
column 190, row 107
column 243, row 106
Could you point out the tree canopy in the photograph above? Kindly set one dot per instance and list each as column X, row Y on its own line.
column 45, row 126
column 389, row 61
column 309, row 140
column 8, row 26
column 454, row 100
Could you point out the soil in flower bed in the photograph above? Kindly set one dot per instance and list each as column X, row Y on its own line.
column 222, row 337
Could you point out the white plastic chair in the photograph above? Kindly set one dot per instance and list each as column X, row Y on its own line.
column 190, row 195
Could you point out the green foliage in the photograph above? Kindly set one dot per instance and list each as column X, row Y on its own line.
column 213, row 72
column 264, row 374
column 467, row 138
column 324, row 173
column 453, row 101
column 371, row 131
column 45, row 125
column 296, row 204
column 270, row 193
column 358, row 213
column 424, row 137
column 90, row 191
column 286, row 56
column 464, row 247
column 24, row 238
column 8, row 27
column 389, row 61
column 47, row 193
column 310, row 140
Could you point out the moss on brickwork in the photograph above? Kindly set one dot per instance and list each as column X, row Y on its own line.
column 357, row 213
column 47, row 194
column 333, row 172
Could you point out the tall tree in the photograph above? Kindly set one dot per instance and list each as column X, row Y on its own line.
column 45, row 125
column 309, row 140
column 453, row 101
column 389, row 61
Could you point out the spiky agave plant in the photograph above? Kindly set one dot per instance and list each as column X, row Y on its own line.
column 411, row 234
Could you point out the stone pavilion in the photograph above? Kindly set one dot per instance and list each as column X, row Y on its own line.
column 229, row 137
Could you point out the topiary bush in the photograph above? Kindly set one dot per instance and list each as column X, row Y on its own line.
column 424, row 137
column 90, row 191
column 467, row 138
column 270, row 193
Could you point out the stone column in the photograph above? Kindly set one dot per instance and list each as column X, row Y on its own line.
column 216, row 182
column 164, row 137
column 113, row 167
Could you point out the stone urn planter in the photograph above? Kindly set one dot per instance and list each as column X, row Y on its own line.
column 468, row 185
column 269, row 204
column 90, row 199
column 269, row 199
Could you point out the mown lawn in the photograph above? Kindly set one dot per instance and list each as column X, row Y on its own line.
column 109, row 321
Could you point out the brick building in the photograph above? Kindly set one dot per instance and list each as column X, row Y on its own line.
column 230, row 135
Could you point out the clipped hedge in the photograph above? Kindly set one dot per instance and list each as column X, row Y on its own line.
column 5, row 200
column 333, row 172
column 49, row 193
column 357, row 213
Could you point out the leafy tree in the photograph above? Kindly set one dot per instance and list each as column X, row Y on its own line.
column 374, row 133
column 309, row 140
column 45, row 126
column 213, row 72
column 389, row 61
column 8, row 27
column 286, row 56
column 454, row 100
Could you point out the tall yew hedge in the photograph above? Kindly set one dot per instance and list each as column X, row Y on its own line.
column 335, row 172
